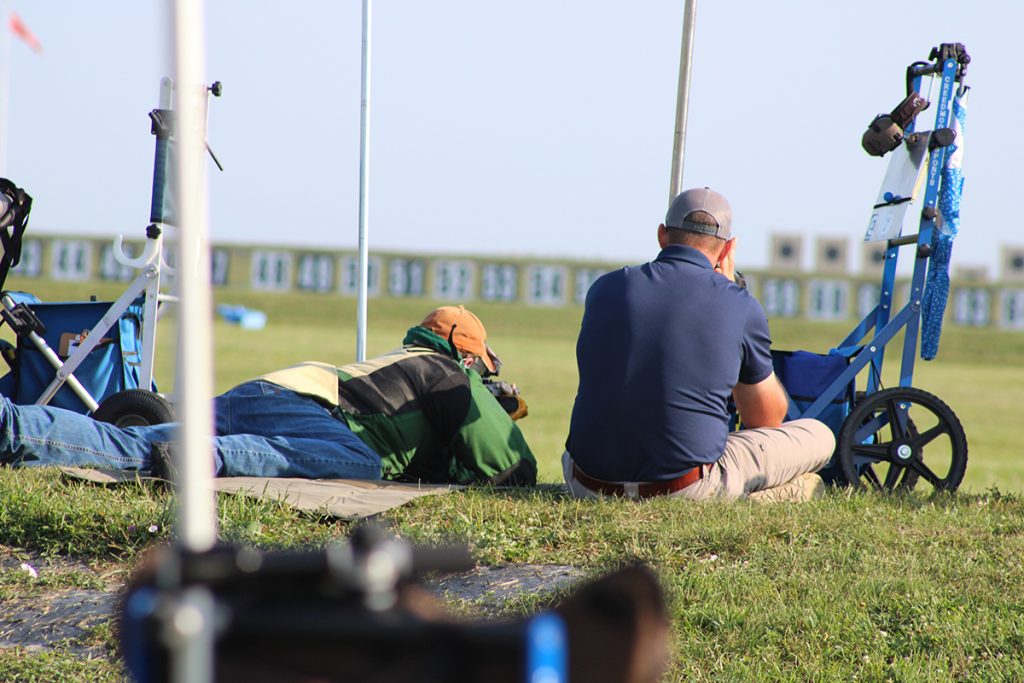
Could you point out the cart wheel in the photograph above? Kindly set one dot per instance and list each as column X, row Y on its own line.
column 893, row 427
column 135, row 408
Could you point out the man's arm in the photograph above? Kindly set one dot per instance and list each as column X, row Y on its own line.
column 761, row 405
column 489, row 446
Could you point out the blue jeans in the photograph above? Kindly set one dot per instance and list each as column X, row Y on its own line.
column 263, row 430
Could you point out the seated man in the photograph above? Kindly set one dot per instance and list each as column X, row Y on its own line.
column 662, row 348
column 420, row 413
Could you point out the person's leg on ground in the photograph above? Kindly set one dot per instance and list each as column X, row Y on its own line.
column 32, row 435
column 754, row 460
column 264, row 430
column 767, row 458
column 313, row 444
column 248, row 455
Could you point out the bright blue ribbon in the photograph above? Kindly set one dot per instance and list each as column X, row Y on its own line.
column 936, row 293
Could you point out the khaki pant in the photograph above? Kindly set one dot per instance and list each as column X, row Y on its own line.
column 754, row 460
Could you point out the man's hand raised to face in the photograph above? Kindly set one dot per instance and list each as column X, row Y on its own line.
column 727, row 260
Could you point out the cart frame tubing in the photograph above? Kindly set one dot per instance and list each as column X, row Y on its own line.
column 881, row 318
column 150, row 265
column 151, row 311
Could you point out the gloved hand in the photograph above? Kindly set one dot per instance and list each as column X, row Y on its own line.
column 508, row 397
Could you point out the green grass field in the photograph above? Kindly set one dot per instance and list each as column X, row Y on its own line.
column 979, row 373
column 850, row 587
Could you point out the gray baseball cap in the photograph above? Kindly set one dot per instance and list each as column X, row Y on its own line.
column 700, row 199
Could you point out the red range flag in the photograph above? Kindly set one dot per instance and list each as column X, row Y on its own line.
column 19, row 29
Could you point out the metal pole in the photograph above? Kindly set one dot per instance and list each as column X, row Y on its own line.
column 364, row 184
column 197, row 519
column 682, row 99
column 191, row 621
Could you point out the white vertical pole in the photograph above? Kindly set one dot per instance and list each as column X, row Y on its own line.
column 682, row 98
column 197, row 519
column 364, row 184
column 191, row 623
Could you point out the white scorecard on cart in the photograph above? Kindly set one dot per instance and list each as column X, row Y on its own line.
column 902, row 181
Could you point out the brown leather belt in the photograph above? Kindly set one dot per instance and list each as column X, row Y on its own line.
column 643, row 489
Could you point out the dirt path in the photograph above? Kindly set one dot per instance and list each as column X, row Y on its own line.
column 47, row 603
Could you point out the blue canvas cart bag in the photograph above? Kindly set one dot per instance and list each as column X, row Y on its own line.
column 806, row 376
column 110, row 367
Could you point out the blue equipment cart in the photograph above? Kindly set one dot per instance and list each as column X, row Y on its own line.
column 893, row 438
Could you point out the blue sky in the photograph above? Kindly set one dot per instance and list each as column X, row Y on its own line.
column 529, row 128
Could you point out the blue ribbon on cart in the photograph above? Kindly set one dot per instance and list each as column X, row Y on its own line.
column 936, row 293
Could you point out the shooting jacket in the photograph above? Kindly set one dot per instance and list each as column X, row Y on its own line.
column 429, row 418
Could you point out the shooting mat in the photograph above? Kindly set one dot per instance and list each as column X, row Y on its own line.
column 342, row 498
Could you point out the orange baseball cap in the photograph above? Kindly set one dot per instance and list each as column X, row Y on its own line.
column 469, row 336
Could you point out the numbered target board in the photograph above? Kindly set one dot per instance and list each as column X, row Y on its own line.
column 348, row 281
column 316, row 273
column 1011, row 309
column 499, row 282
column 454, row 280
column 546, row 285
column 407, row 277
column 271, row 271
column 784, row 288
column 71, row 260
column 781, row 297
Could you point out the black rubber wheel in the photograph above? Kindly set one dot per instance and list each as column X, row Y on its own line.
column 135, row 408
column 909, row 433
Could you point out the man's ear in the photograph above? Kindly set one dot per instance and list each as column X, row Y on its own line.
column 662, row 236
column 727, row 248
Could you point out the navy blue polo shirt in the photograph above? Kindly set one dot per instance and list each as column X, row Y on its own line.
column 660, row 349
